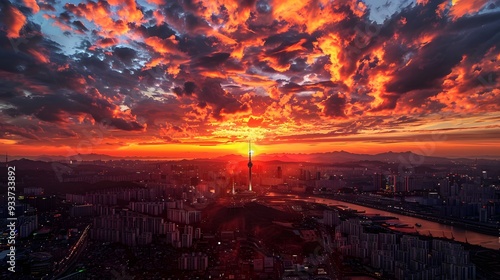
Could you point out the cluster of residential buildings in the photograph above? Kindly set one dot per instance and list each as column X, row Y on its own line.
column 404, row 256
column 27, row 225
column 193, row 261
column 469, row 200
column 27, row 221
column 132, row 229
column 112, row 196
column 145, row 219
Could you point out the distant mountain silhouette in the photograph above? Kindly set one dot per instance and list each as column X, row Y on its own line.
column 328, row 158
column 343, row 157
column 231, row 157
column 78, row 157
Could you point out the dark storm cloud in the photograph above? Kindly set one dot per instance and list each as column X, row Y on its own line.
column 12, row 61
column 211, row 61
column 335, row 105
column 280, row 41
column 320, row 86
column 157, row 113
column 299, row 65
column 93, row 63
column 125, row 54
column 17, row 57
column 98, row 71
column 79, row 26
column 212, row 93
column 56, row 93
column 7, row 130
column 162, row 31
column 395, row 52
column 189, row 89
column 284, row 50
column 196, row 24
column 197, row 46
column 419, row 19
column 8, row 90
column 264, row 66
column 436, row 59
column 65, row 16
column 52, row 107
column 183, row 17
column 123, row 124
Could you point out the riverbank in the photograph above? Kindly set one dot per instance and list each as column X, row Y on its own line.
column 470, row 226
column 428, row 227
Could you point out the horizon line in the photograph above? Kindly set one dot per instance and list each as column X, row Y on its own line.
column 179, row 158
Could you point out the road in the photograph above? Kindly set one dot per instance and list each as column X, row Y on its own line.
column 73, row 254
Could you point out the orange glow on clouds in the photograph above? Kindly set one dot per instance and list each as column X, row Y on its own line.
column 463, row 7
column 32, row 5
column 156, row 77
column 15, row 21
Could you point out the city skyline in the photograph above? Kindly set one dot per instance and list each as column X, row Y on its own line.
column 198, row 79
column 374, row 216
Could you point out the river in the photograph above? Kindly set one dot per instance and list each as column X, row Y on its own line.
column 436, row 229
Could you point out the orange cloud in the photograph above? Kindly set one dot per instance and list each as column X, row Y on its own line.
column 130, row 12
column 32, row 5
column 314, row 15
column 460, row 8
column 474, row 93
column 157, row 2
column 14, row 20
column 237, row 13
column 160, row 18
column 107, row 42
column 331, row 44
column 168, row 45
column 38, row 55
column 101, row 15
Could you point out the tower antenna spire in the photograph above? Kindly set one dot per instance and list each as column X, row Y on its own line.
column 250, row 164
column 233, row 192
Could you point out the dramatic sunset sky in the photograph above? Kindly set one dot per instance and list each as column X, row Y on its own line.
column 192, row 78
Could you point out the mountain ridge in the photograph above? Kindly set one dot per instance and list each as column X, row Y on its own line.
column 324, row 157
